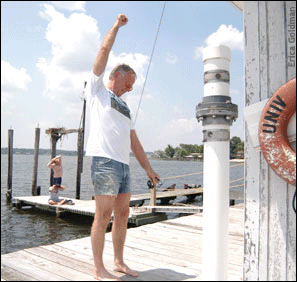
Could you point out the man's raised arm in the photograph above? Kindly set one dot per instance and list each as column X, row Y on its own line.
column 102, row 57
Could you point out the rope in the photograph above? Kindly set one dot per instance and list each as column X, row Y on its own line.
column 240, row 185
column 149, row 65
column 195, row 173
column 236, row 180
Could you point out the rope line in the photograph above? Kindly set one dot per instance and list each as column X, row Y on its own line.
column 235, row 186
column 195, row 173
column 149, row 65
column 236, row 180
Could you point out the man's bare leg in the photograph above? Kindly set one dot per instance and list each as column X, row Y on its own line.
column 119, row 231
column 104, row 206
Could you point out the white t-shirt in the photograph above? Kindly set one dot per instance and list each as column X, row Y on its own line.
column 110, row 122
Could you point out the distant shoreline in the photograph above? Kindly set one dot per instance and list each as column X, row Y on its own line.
column 23, row 151
column 16, row 151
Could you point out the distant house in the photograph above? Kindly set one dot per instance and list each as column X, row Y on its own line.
column 240, row 154
column 197, row 155
column 194, row 156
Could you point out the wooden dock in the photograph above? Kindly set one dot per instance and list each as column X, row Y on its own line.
column 89, row 208
column 234, row 194
column 170, row 250
column 85, row 208
column 138, row 216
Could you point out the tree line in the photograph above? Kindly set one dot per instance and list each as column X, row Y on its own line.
column 196, row 151
column 25, row 151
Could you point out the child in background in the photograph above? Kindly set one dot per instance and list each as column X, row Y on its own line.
column 54, row 196
column 56, row 165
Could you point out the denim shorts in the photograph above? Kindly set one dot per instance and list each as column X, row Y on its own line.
column 57, row 181
column 110, row 177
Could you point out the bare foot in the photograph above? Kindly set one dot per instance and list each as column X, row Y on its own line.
column 104, row 275
column 123, row 268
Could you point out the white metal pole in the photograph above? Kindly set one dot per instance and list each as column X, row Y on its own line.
column 215, row 211
column 217, row 113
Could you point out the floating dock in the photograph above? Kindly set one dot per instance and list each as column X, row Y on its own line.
column 170, row 250
column 138, row 215
column 84, row 208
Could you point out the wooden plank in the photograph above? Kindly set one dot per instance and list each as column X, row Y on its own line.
column 270, row 247
column 167, row 242
column 163, row 242
column 160, row 252
column 87, row 208
column 291, row 237
column 234, row 194
column 235, row 238
column 174, row 193
column 277, row 70
column 140, row 253
column 147, row 273
column 252, row 162
column 22, row 266
column 131, row 254
column 169, row 257
column 64, row 256
column 67, row 272
column 170, row 209
column 10, row 274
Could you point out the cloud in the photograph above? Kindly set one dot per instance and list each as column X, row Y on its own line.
column 75, row 42
column 13, row 80
column 70, row 5
column 183, row 130
column 225, row 35
column 136, row 61
column 171, row 58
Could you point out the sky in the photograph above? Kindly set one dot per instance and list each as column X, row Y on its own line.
column 48, row 49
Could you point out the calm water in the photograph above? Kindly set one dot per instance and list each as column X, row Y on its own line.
column 29, row 227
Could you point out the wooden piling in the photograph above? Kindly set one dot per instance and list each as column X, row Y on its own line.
column 80, row 150
column 54, row 139
column 153, row 199
column 79, row 162
column 56, row 134
column 10, row 165
column 35, row 168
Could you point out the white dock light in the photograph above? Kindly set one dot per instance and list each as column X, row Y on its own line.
column 217, row 114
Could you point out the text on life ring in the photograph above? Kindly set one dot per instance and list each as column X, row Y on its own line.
column 273, row 129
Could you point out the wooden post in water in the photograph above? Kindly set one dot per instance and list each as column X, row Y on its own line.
column 54, row 139
column 80, row 149
column 56, row 134
column 10, row 165
column 35, row 168
column 153, row 199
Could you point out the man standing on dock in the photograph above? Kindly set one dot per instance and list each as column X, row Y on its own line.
column 111, row 137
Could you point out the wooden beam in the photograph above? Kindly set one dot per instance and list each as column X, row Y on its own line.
column 170, row 209
column 61, row 130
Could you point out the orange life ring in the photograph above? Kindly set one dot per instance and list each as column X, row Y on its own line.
column 273, row 136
